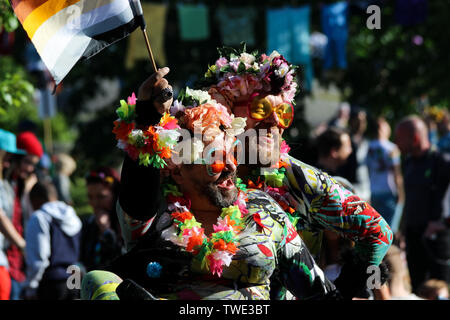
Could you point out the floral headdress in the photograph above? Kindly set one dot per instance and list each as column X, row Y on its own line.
column 238, row 73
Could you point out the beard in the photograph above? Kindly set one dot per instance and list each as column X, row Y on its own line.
column 219, row 197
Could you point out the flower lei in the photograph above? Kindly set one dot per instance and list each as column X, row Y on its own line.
column 217, row 250
column 150, row 145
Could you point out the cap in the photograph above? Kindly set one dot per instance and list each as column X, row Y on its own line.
column 8, row 142
column 29, row 142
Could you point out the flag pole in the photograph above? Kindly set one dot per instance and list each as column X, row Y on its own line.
column 140, row 19
column 149, row 49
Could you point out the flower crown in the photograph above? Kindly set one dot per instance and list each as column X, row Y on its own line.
column 101, row 176
column 238, row 73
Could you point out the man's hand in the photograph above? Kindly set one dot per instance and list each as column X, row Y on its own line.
column 152, row 89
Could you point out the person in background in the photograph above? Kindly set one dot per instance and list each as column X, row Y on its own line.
column 434, row 289
column 53, row 237
column 443, row 127
column 426, row 175
column 342, row 117
column 22, row 177
column 65, row 165
column 101, row 240
column 386, row 180
column 333, row 148
column 355, row 169
column 398, row 275
column 7, row 230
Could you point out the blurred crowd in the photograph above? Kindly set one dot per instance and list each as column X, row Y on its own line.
column 402, row 169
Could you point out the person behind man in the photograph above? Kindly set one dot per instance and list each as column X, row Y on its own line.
column 53, row 236
column 434, row 289
column 386, row 180
column 426, row 178
column 355, row 169
column 212, row 238
column 7, row 229
column 22, row 177
column 333, row 148
column 398, row 275
column 313, row 198
column 443, row 128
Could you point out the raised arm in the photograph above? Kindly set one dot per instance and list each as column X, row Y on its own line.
column 140, row 185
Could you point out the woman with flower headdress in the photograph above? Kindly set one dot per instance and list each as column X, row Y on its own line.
column 262, row 89
column 211, row 237
column 101, row 240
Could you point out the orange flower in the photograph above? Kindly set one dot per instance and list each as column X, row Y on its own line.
column 282, row 164
column 122, row 129
column 223, row 246
column 194, row 241
column 165, row 152
column 182, row 216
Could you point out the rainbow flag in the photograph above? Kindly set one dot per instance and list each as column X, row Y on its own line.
column 67, row 31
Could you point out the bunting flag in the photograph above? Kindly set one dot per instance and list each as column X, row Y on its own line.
column 137, row 49
column 193, row 22
column 335, row 27
column 237, row 24
column 288, row 32
column 66, row 31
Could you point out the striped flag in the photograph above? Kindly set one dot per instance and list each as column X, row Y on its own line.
column 66, row 31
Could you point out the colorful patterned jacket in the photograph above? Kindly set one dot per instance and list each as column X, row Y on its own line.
column 269, row 250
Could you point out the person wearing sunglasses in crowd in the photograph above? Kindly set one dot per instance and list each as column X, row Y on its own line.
column 262, row 88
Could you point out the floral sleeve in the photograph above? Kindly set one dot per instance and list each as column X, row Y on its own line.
column 324, row 204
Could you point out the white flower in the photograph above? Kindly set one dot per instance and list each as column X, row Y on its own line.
column 223, row 256
column 168, row 137
column 176, row 206
column 237, row 126
column 136, row 136
column 282, row 70
column 198, row 95
column 247, row 58
column 170, row 234
column 274, row 54
column 176, row 107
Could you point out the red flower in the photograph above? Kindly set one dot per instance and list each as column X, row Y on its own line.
column 122, row 129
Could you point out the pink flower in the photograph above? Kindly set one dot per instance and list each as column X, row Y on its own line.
column 284, row 148
column 215, row 266
column 221, row 225
column 221, row 62
column 132, row 100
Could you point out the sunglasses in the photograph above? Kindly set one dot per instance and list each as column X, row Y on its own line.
column 261, row 108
